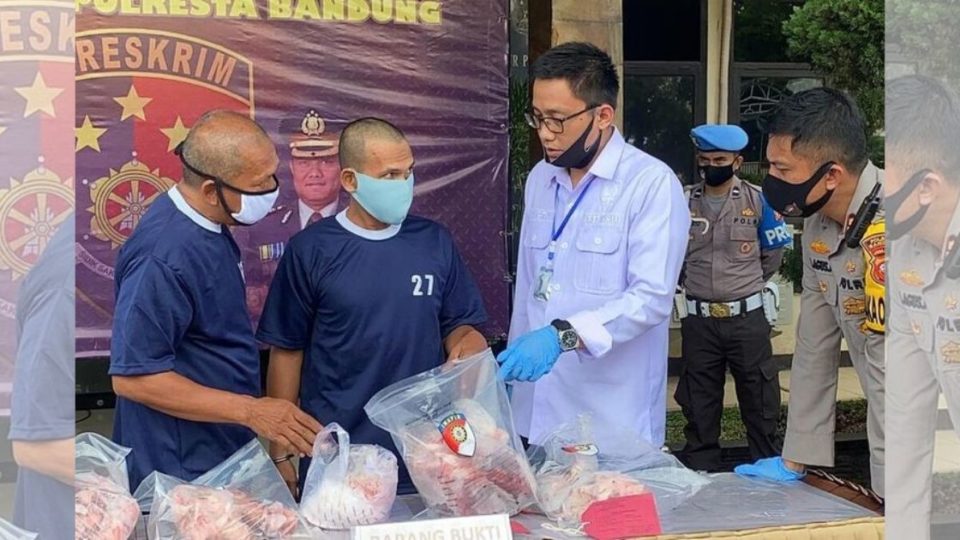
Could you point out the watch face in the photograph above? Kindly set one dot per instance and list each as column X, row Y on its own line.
column 568, row 340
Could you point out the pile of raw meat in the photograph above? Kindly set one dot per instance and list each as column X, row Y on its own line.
column 204, row 513
column 348, row 484
column 104, row 510
column 495, row 480
column 243, row 498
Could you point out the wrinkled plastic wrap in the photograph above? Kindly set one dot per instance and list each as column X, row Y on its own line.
column 348, row 485
column 104, row 508
column 243, row 498
column 572, row 472
column 734, row 503
column 9, row 531
column 454, row 429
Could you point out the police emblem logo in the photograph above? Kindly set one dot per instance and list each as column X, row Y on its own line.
column 746, row 247
column 31, row 210
column 312, row 125
column 912, row 278
column 854, row 306
column 820, row 247
column 121, row 198
column 581, row 449
column 851, row 267
column 458, row 435
column 157, row 103
column 748, row 212
column 950, row 353
column 951, row 303
column 823, row 286
column 875, row 248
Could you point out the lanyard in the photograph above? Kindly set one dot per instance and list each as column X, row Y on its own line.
column 563, row 224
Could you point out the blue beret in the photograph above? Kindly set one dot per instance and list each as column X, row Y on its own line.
column 719, row 138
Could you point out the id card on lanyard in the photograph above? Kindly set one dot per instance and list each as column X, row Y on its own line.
column 542, row 290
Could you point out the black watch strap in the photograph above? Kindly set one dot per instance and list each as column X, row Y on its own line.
column 561, row 325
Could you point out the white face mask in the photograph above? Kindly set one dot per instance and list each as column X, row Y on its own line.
column 253, row 208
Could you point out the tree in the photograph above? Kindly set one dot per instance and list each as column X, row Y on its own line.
column 844, row 40
column 926, row 33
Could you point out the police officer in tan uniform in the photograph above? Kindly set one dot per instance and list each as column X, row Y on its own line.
column 313, row 159
column 735, row 246
column 923, row 211
column 819, row 169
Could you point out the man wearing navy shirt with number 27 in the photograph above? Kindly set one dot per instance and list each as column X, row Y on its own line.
column 366, row 298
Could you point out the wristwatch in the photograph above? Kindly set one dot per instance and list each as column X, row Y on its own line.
column 568, row 336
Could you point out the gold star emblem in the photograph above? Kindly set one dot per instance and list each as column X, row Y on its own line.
column 915, row 328
column 951, row 303
column 39, row 97
column 851, row 267
column 176, row 134
column 133, row 104
column 88, row 135
column 823, row 286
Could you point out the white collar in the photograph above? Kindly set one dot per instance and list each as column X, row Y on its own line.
column 306, row 212
column 352, row 227
column 191, row 213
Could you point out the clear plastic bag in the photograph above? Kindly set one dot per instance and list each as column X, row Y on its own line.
column 9, row 531
column 243, row 498
column 454, row 429
column 104, row 508
column 572, row 472
column 348, row 485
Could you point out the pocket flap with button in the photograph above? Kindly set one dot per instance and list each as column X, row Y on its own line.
column 536, row 234
column 599, row 239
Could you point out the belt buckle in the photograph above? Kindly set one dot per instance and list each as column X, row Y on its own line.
column 720, row 311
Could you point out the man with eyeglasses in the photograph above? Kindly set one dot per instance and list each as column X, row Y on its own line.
column 603, row 239
column 820, row 170
column 366, row 299
column 183, row 358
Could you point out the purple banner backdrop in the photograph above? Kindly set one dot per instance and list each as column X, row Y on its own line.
column 36, row 184
column 147, row 70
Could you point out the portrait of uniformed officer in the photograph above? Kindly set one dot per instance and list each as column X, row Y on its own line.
column 310, row 149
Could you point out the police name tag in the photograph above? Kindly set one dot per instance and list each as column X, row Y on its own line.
column 470, row 528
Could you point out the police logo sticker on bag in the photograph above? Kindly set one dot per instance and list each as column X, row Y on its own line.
column 458, row 435
column 581, row 449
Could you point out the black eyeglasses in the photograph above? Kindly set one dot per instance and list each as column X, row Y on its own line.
column 554, row 125
column 220, row 182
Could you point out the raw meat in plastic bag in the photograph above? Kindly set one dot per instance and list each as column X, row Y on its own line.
column 454, row 428
column 348, row 485
column 573, row 473
column 243, row 498
column 104, row 508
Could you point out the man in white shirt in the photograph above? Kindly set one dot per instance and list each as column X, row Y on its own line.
column 603, row 239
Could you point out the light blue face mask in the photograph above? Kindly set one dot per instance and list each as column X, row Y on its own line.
column 386, row 200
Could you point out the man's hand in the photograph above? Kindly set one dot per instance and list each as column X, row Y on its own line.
column 289, row 474
column 466, row 344
column 775, row 468
column 282, row 422
column 531, row 356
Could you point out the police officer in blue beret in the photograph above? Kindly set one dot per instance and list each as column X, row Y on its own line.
column 735, row 247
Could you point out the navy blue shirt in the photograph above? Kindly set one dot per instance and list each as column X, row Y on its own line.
column 43, row 385
column 180, row 307
column 368, row 309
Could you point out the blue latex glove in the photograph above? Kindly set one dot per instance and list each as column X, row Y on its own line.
column 770, row 469
column 531, row 356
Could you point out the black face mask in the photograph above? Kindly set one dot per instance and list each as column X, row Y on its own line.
column 578, row 156
column 893, row 202
column 791, row 199
column 716, row 176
